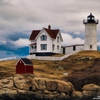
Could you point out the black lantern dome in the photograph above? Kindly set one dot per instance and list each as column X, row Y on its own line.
column 90, row 19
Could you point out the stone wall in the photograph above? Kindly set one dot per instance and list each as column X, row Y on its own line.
column 28, row 87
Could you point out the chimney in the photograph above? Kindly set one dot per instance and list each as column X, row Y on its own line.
column 49, row 27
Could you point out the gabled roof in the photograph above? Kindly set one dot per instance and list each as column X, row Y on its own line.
column 34, row 34
column 26, row 61
column 52, row 33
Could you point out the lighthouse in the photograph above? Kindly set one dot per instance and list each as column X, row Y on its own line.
column 90, row 42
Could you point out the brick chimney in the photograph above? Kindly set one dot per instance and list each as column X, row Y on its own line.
column 49, row 27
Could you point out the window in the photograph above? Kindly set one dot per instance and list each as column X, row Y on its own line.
column 31, row 47
column 90, row 46
column 43, row 46
column 88, row 18
column 35, row 47
column 53, row 47
column 58, row 47
column 58, row 39
column 43, row 38
column 74, row 48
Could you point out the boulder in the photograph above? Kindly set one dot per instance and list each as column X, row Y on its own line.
column 2, row 91
column 51, row 85
column 40, row 84
column 64, row 87
column 23, row 82
column 76, row 95
column 6, row 83
column 21, row 91
column 11, row 93
column 90, row 90
column 91, row 87
column 89, row 93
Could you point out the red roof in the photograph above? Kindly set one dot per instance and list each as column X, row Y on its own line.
column 34, row 44
column 52, row 33
column 34, row 34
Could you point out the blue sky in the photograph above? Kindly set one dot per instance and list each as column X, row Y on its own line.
column 19, row 17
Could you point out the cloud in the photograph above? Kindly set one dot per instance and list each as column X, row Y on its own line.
column 19, row 17
column 20, row 43
column 32, row 14
column 69, row 40
column 77, row 32
column 2, row 41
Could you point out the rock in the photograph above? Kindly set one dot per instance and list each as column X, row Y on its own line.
column 2, row 91
column 22, row 82
column 76, row 95
column 90, row 90
column 41, row 84
column 91, row 87
column 51, row 85
column 64, row 87
column 23, row 97
column 31, row 95
column 35, row 85
column 21, row 91
column 33, row 88
column 89, row 93
column 6, row 83
column 11, row 94
column 47, row 92
column 28, row 87
column 39, row 96
column 63, row 94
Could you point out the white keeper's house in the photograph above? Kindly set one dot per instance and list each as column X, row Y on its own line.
column 47, row 41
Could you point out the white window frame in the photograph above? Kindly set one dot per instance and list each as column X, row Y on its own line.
column 43, row 38
column 43, row 46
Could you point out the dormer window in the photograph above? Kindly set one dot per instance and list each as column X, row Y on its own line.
column 43, row 38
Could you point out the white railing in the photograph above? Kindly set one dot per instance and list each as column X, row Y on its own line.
column 33, row 50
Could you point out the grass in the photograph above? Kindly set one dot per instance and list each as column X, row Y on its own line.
column 55, row 69
column 58, row 55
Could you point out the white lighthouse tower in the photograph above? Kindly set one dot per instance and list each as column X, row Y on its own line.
column 90, row 42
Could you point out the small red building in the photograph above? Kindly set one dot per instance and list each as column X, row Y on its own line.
column 24, row 66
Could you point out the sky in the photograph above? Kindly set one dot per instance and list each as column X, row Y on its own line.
column 19, row 17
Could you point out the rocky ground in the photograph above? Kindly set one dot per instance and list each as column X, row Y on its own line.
column 28, row 87
column 83, row 68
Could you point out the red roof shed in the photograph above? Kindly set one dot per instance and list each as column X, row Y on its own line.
column 24, row 66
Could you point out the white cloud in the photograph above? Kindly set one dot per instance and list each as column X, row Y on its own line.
column 21, row 15
column 20, row 43
column 27, row 15
column 2, row 41
column 69, row 40
column 77, row 32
